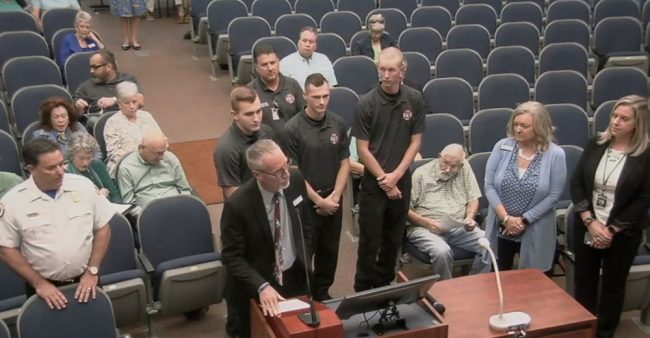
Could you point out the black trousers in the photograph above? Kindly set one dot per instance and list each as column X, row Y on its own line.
column 381, row 223
column 239, row 316
column 615, row 262
column 506, row 253
column 327, row 236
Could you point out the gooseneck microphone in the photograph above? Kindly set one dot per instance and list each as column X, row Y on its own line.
column 310, row 318
column 510, row 321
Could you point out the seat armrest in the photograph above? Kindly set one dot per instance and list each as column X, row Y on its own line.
column 569, row 255
column 148, row 267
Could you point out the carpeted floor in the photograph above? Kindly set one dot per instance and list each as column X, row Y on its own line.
column 193, row 155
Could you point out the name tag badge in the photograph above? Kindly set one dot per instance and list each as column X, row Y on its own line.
column 297, row 201
column 274, row 113
column 92, row 45
column 506, row 147
column 264, row 104
column 33, row 214
column 601, row 200
column 75, row 197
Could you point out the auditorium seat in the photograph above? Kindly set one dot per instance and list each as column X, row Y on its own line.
column 564, row 56
column 9, row 155
column 418, row 71
column 76, row 72
column 486, row 128
column 359, row 7
column 357, row 72
column 14, row 21
column 439, row 131
column 615, row 8
column 289, row 25
column 314, row 8
column 22, row 43
column 474, row 37
column 406, row 6
column 478, row 14
column 92, row 319
column 462, row 63
column 617, row 42
column 603, row 115
column 614, row 83
column 5, row 125
column 343, row 102
column 121, row 278
column 55, row 19
column 568, row 30
column 4, row 330
column 178, row 252
column 332, row 45
column 562, row 86
column 12, row 292
column 495, row 4
column 220, row 14
column 523, row 12
column 572, row 155
column 571, row 125
column 518, row 34
column 512, row 60
column 98, row 131
column 28, row 133
column 270, row 10
column 435, row 17
column 478, row 162
column 569, row 9
column 451, row 95
column 56, row 43
column 450, row 5
column 242, row 33
column 412, row 40
column 25, row 71
column 343, row 23
column 502, row 91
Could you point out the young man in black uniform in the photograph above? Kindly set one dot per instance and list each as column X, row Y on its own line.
column 317, row 139
column 388, row 128
column 229, row 155
column 280, row 96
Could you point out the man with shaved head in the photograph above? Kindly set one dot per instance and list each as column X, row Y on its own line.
column 151, row 172
column 388, row 127
column 444, row 197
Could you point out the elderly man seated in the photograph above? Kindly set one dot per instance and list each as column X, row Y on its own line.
column 151, row 172
column 444, row 201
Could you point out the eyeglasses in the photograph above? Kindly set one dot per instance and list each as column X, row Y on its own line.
column 280, row 173
column 95, row 67
column 374, row 21
column 453, row 166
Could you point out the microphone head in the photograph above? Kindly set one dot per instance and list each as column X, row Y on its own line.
column 484, row 243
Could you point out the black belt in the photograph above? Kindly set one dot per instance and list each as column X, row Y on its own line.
column 65, row 282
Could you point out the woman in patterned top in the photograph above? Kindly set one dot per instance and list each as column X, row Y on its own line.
column 123, row 131
column 58, row 121
column 524, row 178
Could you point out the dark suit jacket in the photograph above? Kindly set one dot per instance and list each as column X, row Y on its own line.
column 632, row 195
column 363, row 46
column 248, row 252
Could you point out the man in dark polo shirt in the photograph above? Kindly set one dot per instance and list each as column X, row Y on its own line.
column 98, row 92
column 317, row 139
column 280, row 96
column 388, row 127
column 229, row 155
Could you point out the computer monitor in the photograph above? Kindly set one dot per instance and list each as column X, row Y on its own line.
column 380, row 298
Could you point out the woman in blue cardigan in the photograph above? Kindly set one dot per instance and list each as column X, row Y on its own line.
column 524, row 178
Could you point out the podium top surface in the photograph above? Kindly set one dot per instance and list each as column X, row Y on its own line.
column 471, row 300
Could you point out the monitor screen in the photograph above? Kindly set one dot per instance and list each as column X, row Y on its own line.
column 379, row 298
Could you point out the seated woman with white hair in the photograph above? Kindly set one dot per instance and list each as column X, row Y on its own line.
column 371, row 44
column 84, row 39
column 81, row 161
column 124, row 130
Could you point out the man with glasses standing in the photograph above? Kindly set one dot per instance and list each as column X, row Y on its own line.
column 444, row 203
column 261, row 233
column 98, row 93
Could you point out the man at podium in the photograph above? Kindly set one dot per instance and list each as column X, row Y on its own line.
column 261, row 236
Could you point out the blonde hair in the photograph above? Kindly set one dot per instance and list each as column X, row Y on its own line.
column 542, row 124
column 640, row 139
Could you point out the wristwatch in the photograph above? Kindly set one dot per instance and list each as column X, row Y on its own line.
column 93, row 270
column 588, row 220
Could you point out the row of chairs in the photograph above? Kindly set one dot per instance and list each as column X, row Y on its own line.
column 177, row 269
column 51, row 22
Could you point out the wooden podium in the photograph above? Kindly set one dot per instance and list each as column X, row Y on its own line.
column 290, row 326
column 471, row 300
